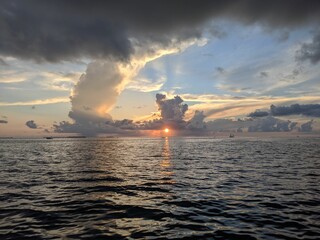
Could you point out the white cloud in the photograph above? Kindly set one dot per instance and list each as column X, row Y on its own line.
column 37, row 102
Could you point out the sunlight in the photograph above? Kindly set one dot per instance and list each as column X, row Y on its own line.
column 166, row 130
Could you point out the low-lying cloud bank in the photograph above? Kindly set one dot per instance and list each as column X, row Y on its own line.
column 172, row 115
column 309, row 110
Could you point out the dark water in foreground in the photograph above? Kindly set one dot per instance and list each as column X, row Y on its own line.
column 178, row 188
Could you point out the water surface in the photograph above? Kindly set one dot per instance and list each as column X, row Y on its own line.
column 176, row 188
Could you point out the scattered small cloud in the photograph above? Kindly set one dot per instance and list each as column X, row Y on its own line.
column 31, row 124
column 264, row 74
column 220, row 70
column 3, row 121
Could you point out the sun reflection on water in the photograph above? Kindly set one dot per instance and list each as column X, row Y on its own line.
column 166, row 165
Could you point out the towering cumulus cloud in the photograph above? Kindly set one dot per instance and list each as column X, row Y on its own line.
column 172, row 110
column 96, row 91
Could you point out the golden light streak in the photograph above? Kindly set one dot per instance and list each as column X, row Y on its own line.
column 37, row 102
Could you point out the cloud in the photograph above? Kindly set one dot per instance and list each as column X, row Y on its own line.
column 37, row 102
column 258, row 113
column 310, row 51
column 31, row 124
column 171, row 109
column 99, row 87
column 3, row 121
column 96, row 91
column 64, row 30
column 197, row 121
column 271, row 124
column 172, row 114
column 144, row 85
column 306, row 127
column 310, row 110
column 3, row 63
column 220, row 70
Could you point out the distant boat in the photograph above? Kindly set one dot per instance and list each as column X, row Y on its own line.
column 48, row 137
column 231, row 135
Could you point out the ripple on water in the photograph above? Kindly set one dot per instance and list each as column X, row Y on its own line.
column 176, row 188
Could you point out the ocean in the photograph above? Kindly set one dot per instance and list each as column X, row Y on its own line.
column 160, row 188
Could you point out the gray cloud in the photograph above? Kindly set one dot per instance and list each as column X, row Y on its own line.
column 31, row 124
column 311, row 110
column 310, row 51
column 306, row 127
column 172, row 110
column 197, row 121
column 63, row 30
column 258, row 113
column 271, row 124
column 220, row 70
column 3, row 62
column 3, row 121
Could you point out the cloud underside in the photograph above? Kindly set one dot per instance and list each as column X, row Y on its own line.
column 32, row 30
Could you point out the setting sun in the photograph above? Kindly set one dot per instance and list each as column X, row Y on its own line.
column 166, row 130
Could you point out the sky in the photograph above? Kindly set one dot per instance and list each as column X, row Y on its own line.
column 137, row 67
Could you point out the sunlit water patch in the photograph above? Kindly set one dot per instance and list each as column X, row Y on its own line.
column 176, row 188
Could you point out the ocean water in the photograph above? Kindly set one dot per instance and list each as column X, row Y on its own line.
column 166, row 188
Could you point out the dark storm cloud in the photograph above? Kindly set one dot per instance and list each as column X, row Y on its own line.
column 3, row 121
column 310, row 51
column 31, row 124
column 311, row 110
column 58, row 30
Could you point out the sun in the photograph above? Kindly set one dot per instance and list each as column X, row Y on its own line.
column 166, row 130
